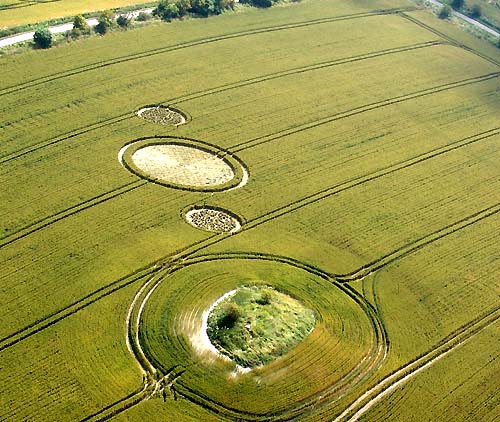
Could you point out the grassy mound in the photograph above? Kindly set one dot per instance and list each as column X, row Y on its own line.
column 258, row 324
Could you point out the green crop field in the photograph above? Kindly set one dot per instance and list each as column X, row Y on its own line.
column 343, row 152
column 22, row 12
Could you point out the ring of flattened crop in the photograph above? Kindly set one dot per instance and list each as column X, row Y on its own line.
column 341, row 345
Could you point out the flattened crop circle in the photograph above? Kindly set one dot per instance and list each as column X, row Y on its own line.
column 342, row 345
column 213, row 220
column 162, row 115
column 183, row 164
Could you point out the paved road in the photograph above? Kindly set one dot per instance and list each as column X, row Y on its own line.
column 469, row 20
column 57, row 29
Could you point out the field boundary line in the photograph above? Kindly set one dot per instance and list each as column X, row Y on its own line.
column 51, row 219
column 343, row 186
column 359, row 110
column 187, row 44
column 76, row 306
column 64, row 137
column 304, row 69
column 222, row 88
column 450, row 39
column 370, row 397
column 419, row 244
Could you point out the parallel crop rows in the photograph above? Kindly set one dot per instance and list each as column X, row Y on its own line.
column 342, row 155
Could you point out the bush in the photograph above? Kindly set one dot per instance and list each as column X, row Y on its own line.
column 122, row 21
column 105, row 22
column 476, row 11
column 184, row 7
column 258, row 3
column 80, row 27
column 43, row 38
column 445, row 12
column 221, row 5
column 80, row 23
column 457, row 4
column 264, row 299
column 229, row 315
column 262, row 3
column 166, row 10
column 143, row 17
column 203, row 7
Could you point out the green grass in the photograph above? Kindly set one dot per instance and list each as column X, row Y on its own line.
column 372, row 145
column 257, row 325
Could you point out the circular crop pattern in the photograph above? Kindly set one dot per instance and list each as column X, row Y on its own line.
column 343, row 346
column 183, row 163
column 254, row 325
column 162, row 115
column 213, row 220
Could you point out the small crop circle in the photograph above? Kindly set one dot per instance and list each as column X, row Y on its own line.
column 162, row 115
column 213, row 220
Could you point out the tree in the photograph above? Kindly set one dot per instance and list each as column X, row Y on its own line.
column 43, row 38
column 143, row 17
column 80, row 27
column 203, row 7
column 105, row 22
column 166, row 10
column 457, row 4
column 184, row 7
column 221, row 5
column 80, row 23
column 258, row 3
column 123, row 21
column 445, row 12
column 476, row 11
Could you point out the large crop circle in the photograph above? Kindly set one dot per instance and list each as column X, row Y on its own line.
column 182, row 163
column 342, row 344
